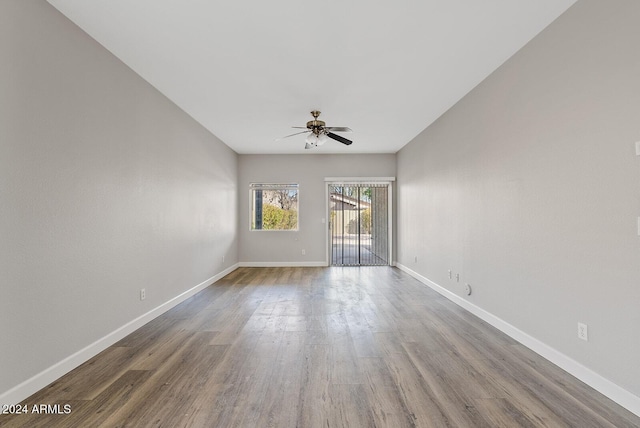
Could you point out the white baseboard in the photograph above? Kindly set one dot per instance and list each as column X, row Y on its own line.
column 283, row 264
column 18, row 393
column 616, row 393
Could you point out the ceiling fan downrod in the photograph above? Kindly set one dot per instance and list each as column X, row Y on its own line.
column 316, row 126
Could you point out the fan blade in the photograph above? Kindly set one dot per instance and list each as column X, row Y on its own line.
column 308, row 146
column 339, row 138
column 338, row 128
column 299, row 127
column 297, row 133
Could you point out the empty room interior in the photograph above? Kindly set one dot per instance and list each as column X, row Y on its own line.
column 320, row 213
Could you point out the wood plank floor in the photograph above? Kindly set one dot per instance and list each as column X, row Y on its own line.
column 320, row 347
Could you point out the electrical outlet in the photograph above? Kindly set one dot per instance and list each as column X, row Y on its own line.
column 143, row 294
column 304, row 252
column 583, row 332
column 449, row 273
column 457, row 277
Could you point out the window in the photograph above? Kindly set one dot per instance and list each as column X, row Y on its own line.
column 274, row 206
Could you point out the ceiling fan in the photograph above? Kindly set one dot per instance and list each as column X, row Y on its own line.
column 319, row 133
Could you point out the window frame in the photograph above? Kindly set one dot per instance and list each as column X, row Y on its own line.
column 272, row 186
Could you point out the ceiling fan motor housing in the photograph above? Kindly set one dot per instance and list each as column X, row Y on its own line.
column 316, row 126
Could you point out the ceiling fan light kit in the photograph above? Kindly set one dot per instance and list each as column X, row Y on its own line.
column 319, row 133
column 314, row 140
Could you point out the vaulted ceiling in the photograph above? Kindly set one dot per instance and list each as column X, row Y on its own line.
column 249, row 70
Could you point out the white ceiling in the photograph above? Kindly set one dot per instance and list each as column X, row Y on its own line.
column 249, row 70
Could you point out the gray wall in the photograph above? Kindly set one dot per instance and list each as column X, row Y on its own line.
column 106, row 187
column 529, row 188
column 309, row 171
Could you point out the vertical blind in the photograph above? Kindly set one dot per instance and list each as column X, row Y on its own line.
column 359, row 224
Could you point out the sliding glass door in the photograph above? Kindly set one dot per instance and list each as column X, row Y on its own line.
column 359, row 224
